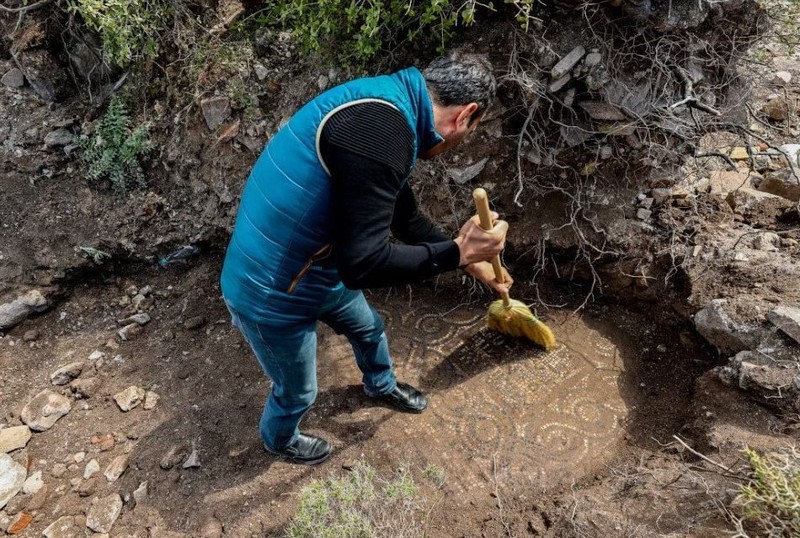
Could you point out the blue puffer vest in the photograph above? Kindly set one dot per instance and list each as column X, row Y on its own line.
column 285, row 215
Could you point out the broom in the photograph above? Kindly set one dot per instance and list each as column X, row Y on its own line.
column 507, row 315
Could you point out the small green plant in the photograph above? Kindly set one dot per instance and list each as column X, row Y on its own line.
column 358, row 505
column 771, row 501
column 435, row 474
column 112, row 151
column 129, row 29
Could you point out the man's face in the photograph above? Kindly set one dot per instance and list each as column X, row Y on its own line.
column 460, row 131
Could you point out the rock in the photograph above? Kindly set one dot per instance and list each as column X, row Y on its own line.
column 141, row 319
column 215, row 110
column 128, row 332
column 782, row 78
column 150, row 400
column 725, row 181
column 792, row 153
column 606, row 152
column 643, row 214
column 781, row 183
column 37, row 500
column 194, row 323
column 13, row 438
column 33, row 483
column 87, row 488
column 106, row 442
column 115, row 469
column 141, row 302
column 558, row 84
column 12, row 476
column 212, row 528
column 463, row 175
column 13, row 78
column 22, row 307
column 566, row 63
column 714, row 324
column 140, row 493
column 16, row 505
column 599, row 110
column 129, row 398
column 92, row 467
column 104, row 513
column 787, row 319
column 58, row 470
column 44, row 410
column 96, row 355
column 19, row 523
column 63, row 527
column 776, row 109
column 45, row 76
column 58, row 138
column 193, row 460
column 739, row 153
column 646, row 203
column 767, row 242
column 67, row 373
column 86, row 387
column 30, row 336
column 174, row 456
column 758, row 208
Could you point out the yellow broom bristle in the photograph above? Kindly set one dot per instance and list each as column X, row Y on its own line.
column 517, row 320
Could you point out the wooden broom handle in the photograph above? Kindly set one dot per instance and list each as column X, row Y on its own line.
column 485, row 215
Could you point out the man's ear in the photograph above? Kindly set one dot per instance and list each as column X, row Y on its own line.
column 466, row 116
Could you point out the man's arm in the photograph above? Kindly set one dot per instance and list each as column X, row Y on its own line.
column 368, row 149
column 410, row 225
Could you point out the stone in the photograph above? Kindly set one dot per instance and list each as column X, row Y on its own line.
column 104, row 513
column 115, row 469
column 63, row 527
column 92, row 467
column 45, row 76
column 174, row 456
column 566, row 63
column 606, row 152
column 87, row 488
column 14, row 438
column 758, row 208
column 86, row 387
column 463, row 175
column 78, row 457
column 261, row 72
column 31, row 335
column 96, row 355
column 767, row 241
column 714, row 324
column 106, row 442
column 58, row 138
column 725, row 181
column 141, row 302
column 150, row 400
column 129, row 398
column 776, row 109
column 661, row 195
column 141, row 319
column 643, row 214
column 599, row 110
column 193, row 460
column 782, row 183
column 212, row 528
column 12, row 477
column 22, row 307
column 787, row 319
column 194, row 323
column 558, row 85
column 58, row 470
column 215, row 110
column 13, row 78
column 646, row 203
column 128, row 332
column 140, row 493
column 739, row 153
column 37, row 500
column 67, row 373
column 782, row 78
column 44, row 410
column 19, row 523
column 33, row 483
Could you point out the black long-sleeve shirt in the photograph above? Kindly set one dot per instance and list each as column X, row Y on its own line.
column 368, row 149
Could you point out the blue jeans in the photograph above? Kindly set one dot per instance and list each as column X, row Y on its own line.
column 288, row 355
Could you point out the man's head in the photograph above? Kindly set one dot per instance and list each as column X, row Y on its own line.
column 461, row 87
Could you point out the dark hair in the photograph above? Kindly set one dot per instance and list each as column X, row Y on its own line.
column 461, row 78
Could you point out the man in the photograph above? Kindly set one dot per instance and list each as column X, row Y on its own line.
column 314, row 227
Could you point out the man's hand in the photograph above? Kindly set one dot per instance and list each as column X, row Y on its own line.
column 479, row 245
column 484, row 272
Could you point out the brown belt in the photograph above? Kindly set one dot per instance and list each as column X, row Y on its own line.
column 318, row 256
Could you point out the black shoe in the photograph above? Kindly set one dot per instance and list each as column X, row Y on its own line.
column 307, row 450
column 403, row 398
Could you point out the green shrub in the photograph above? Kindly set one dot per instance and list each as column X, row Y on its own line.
column 771, row 500
column 129, row 29
column 112, row 150
column 359, row 505
column 361, row 28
